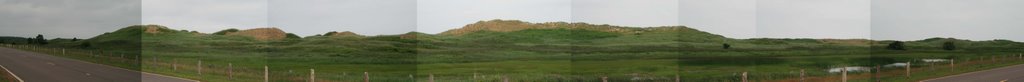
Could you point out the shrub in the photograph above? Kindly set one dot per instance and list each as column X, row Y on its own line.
column 897, row 45
column 726, row 46
column 225, row 31
column 948, row 46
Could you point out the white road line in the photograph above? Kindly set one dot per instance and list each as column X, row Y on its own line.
column 12, row 73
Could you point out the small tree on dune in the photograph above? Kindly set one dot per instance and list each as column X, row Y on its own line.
column 897, row 45
column 726, row 46
column 948, row 46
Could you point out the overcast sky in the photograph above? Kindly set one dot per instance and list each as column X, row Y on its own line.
column 635, row 13
column 366, row 17
column 66, row 18
column 965, row 19
column 730, row 18
column 206, row 16
column 844, row 19
column 839, row 19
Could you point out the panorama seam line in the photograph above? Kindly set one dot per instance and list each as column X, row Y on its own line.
column 12, row 73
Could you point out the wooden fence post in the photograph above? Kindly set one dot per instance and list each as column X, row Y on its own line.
column 604, row 79
column 504, row 78
column 199, row 67
column 993, row 59
column 744, row 78
column 312, row 75
column 908, row 69
column 475, row 77
column 366, row 76
column 802, row 75
column 844, row 74
column 231, row 71
column 951, row 65
column 174, row 64
column 878, row 69
column 266, row 74
column 431, row 78
column 677, row 78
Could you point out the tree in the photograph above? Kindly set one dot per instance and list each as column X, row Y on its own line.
column 30, row 41
column 726, row 46
column 40, row 39
column 225, row 31
column 948, row 46
column 896, row 46
column 292, row 36
column 74, row 39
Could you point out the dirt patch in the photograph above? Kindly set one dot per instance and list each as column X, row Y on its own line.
column 154, row 29
column 263, row 34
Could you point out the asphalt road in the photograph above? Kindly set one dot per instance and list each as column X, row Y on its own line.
column 36, row 67
column 1006, row 74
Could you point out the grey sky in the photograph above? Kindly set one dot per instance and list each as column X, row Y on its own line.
column 965, row 19
column 66, row 18
column 366, row 17
column 205, row 15
column 435, row 16
column 730, row 18
column 636, row 13
column 838, row 19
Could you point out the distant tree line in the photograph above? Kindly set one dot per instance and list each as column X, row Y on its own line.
column 899, row 45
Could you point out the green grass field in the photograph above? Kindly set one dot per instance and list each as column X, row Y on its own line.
column 582, row 53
